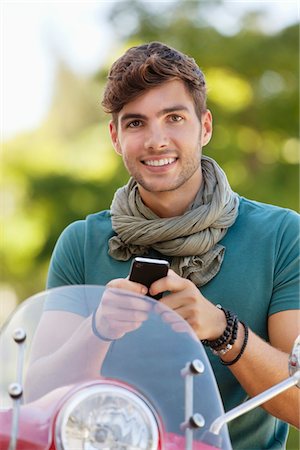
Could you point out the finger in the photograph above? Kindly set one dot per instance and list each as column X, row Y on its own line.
column 182, row 327
column 189, row 295
column 172, row 282
column 176, row 323
column 125, row 299
column 124, row 316
column 116, row 329
column 177, row 300
column 188, row 312
column 124, row 283
column 169, row 317
column 121, row 304
column 173, row 318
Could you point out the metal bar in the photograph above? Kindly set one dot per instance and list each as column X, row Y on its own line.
column 20, row 363
column 189, row 394
column 254, row 402
column 191, row 369
column 16, row 390
column 15, row 423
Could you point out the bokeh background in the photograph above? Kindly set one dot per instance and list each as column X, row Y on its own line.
column 57, row 163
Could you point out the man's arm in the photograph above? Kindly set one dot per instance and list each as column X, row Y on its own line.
column 73, row 352
column 262, row 365
column 54, row 355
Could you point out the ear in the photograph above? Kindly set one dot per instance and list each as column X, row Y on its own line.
column 114, row 137
column 206, row 127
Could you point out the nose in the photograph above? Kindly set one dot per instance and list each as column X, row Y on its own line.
column 156, row 137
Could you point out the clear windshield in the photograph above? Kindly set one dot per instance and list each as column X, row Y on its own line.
column 151, row 345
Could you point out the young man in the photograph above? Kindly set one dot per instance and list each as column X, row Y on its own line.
column 223, row 249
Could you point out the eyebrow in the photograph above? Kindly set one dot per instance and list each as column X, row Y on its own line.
column 161, row 113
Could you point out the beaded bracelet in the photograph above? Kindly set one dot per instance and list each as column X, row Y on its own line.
column 229, row 334
column 232, row 335
column 221, row 351
column 237, row 358
column 96, row 332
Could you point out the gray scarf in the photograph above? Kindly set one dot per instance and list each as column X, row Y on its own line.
column 191, row 239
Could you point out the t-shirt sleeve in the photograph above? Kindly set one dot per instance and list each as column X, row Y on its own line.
column 67, row 261
column 286, row 274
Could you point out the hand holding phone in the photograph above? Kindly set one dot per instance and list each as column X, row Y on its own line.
column 148, row 270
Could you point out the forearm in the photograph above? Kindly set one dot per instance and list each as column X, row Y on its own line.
column 261, row 367
column 79, row 358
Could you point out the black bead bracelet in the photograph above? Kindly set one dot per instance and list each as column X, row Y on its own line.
column 238, row 357
column 229, row 335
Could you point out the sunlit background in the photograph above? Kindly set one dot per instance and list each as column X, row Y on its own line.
column 57, row 161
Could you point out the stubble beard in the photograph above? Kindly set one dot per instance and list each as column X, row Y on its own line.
column 184, row 176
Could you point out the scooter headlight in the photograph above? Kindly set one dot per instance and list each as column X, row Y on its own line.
column 106, row 417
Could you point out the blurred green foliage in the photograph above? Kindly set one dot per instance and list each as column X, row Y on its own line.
column 67, row 168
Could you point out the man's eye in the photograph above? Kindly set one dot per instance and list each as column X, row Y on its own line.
column 134, row 124
column 175, row 118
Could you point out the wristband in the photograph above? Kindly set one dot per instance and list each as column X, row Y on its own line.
column 237, row 358
column 96, row 332
column 227, row 339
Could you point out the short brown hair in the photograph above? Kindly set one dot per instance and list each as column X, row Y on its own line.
column 149, row 65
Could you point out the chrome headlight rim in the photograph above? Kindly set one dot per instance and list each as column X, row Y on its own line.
column 113, row 388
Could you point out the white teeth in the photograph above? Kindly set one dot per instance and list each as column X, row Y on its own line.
column 160, row 162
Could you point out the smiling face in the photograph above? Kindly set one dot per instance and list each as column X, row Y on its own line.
column 160, row 138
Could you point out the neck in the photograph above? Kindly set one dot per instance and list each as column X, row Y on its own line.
column 172, row 203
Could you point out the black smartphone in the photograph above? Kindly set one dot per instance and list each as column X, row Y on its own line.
column 148, row 270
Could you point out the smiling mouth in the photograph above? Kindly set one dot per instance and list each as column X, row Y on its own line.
column 159, row 162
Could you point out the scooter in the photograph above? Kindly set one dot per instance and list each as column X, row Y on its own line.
column 92, row 368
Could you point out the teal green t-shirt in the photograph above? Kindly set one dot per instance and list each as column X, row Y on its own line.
column 259, row 276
